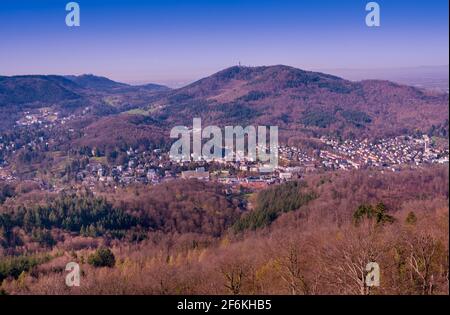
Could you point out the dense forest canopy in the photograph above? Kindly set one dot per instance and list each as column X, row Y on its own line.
column 161, row 238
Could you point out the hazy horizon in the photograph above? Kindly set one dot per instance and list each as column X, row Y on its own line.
column 405, row 75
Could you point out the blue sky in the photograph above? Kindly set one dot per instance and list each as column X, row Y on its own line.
column 177, row 41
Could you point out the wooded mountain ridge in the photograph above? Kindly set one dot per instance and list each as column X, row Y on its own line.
column 299, row 102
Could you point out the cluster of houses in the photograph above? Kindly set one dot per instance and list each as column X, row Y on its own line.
column 391, row 153
column 44, row 116
column 149, row 173
column 144, row 168
column 153, row 167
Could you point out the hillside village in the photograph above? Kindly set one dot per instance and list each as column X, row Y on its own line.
column 92, row 169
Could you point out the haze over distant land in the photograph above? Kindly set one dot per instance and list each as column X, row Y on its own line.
column 427, row 77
